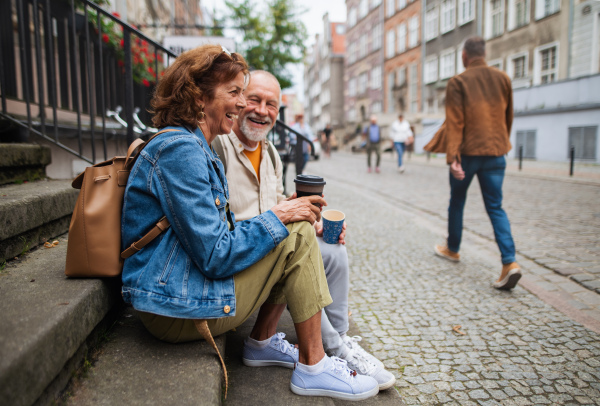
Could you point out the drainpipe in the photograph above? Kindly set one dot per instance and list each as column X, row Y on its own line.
column 480, row 18
column 423, row 50
column 570, row 40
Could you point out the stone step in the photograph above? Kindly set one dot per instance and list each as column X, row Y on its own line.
column 23, row 162
column 32, row 212
column 134, row 368
column 48, row 324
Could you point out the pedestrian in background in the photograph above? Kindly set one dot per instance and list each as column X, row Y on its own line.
column 327, row 140
column 303, row 129
column 479, row 114
column 373, row 133
column 402, row 136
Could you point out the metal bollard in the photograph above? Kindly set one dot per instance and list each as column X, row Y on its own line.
column 520, row 157
column 572, row 160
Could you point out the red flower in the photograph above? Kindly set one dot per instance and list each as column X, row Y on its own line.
column 122, row 43
column 116, row 14
column 145, row 82
column 150, row 69
column 120, row 63
column 160, row 58
column 105, row 38
column 144, row 43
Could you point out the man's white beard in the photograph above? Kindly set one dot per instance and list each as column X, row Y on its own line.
column 254, row 134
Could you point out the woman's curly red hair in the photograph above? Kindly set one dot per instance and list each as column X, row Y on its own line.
column 194, row 74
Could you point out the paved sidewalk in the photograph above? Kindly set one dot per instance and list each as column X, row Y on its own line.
column 442, row 329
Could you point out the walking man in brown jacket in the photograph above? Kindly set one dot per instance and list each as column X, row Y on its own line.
column 475, row 138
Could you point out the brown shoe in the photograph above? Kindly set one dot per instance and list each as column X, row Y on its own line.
column 511, row 273
column 444, row 252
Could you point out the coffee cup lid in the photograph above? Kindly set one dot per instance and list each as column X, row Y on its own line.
column 310, row 180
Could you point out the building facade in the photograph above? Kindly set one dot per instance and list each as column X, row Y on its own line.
column 403, row 61
column 447, row 24
column 363, row 76
column 324, row 79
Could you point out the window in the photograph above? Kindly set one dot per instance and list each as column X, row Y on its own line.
column 526, row 140
column 340, row 29
column 363, row 46
column 325, row 97
column 413, row 31
column 401, row 76
column 389, row 45
column 518, row 67
column 352, row 87
column 447, row 64
column 377, row 36
column 414, row 87
column 496, row 63
column 496, row 18
column 390, row 7
column 401, row 4
column 466, row 11
column 352, row 17
column 363, row 79
column 545, row 64
column 401, row 37
column 584, row 140
column 324, row 74
column 518, row 13
column 431, row 70
column 431, row 24
column 375, row 3
column 548, row 65
column 448, row 16
column 376, row 107
column 363, row 9
column 391, row 79
column 351, row 53
column 351, row 114
column 545, row 8
column 376, row 78
column 460, row 68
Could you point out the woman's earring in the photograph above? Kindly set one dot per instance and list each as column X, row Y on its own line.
column 202, row 116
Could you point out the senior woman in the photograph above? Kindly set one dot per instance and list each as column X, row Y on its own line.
column 207, row 266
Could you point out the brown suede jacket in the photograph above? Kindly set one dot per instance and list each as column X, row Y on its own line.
column 479, row 114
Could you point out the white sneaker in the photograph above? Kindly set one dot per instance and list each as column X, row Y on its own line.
column 352, row 343
column 401, row 169
column 366, row 364
column 335, row 379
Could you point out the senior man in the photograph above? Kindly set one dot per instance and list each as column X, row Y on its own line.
column 255, row 176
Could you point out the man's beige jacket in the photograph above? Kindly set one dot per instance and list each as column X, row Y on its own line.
column 245, row 185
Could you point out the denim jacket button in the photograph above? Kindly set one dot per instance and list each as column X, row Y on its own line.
column 227, row 309
column 217, row 201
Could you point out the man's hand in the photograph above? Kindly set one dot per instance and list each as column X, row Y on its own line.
column 456, row 170
column 319, row 230
column 299, row 209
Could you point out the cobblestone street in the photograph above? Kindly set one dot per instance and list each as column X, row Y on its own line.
column 442, row 329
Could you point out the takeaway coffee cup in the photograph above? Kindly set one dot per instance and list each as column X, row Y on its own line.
column 333, row 221
column 307, row 185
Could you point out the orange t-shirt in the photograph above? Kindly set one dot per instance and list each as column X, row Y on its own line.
column 254, row 157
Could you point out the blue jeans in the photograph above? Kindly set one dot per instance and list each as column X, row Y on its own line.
column 400, row 150
column 490, row 173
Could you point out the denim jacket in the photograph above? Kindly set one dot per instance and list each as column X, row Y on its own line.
column 187, row 271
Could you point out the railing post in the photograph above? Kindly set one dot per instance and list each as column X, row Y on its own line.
column 572, row 160
column 520, row 157
column 128, row 84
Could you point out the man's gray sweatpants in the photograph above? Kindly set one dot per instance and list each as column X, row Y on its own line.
column 334, row 320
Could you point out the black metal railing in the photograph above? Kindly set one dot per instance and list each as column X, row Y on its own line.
column 288, row 150
column 68, row 67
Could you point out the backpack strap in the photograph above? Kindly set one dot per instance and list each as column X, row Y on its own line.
column 271, row 150
column 132, row 153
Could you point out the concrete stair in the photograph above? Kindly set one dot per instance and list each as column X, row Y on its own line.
column 73, row 341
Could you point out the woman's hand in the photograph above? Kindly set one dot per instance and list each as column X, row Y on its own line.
column 319, row 231
column 299, row 209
